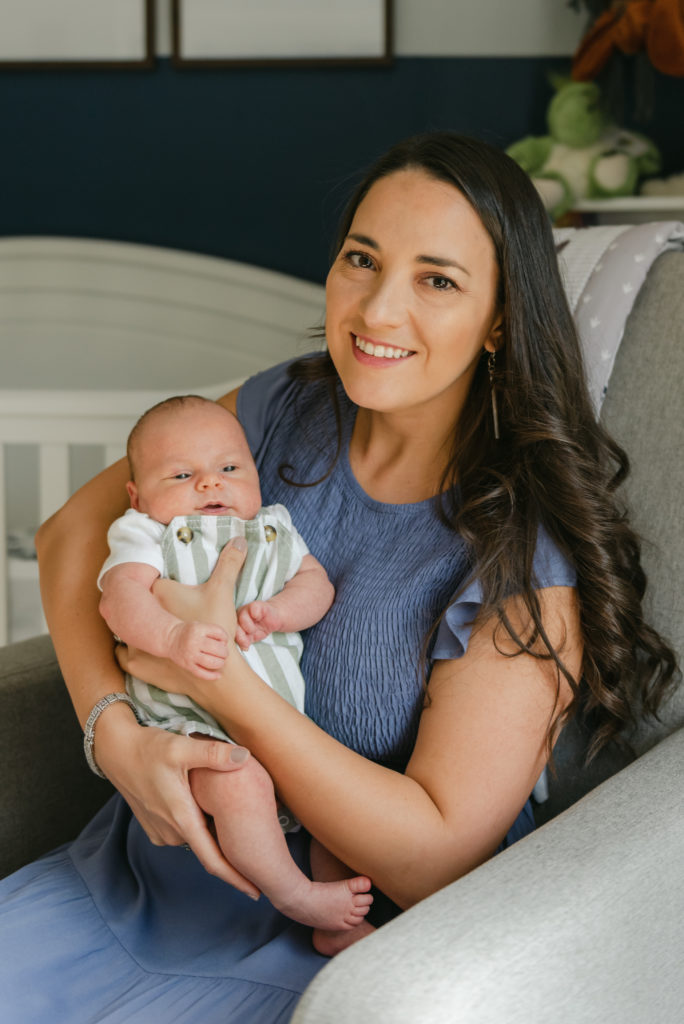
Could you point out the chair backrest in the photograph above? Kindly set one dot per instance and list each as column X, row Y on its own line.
column 643, row 410
column 92, row 333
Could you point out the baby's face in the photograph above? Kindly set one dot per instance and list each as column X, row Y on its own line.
column 194, row 461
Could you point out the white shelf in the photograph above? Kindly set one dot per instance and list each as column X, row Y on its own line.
column 633, row 209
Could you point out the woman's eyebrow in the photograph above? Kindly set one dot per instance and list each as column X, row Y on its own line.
column 363, row 240
column 440, row 261
column 435, row 261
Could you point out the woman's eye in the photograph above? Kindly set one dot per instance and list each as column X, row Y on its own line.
column 440, row 283
column 361, row 260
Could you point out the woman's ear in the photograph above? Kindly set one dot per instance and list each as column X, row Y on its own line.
column 495, row 337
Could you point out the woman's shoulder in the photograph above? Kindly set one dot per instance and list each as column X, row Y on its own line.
column 263, row 399
column 296, row 406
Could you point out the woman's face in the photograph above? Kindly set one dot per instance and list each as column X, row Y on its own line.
column 411, row 298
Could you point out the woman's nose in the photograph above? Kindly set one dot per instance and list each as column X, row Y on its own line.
column 384, row 304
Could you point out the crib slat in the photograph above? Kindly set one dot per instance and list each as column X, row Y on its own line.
column 4, row 569
column 53, row 478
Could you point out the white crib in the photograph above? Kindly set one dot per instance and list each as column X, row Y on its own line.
column 92, row 333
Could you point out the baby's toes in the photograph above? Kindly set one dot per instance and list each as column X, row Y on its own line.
column 355, row 915
column 362, row 904
column 359, row 884
column 364, row 899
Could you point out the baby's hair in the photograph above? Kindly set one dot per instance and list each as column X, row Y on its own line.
column 173, row 404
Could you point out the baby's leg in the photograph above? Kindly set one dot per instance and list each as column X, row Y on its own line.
column 325, row 867
column 244, row 810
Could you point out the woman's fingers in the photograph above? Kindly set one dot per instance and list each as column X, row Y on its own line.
column 224, row 757
column 211, row 601
column 217, row 594
column 228, row 566
column 154, row 780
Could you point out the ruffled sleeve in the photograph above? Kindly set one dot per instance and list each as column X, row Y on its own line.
column 550, row 568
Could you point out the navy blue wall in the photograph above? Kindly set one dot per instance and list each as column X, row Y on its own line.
column 248, row 164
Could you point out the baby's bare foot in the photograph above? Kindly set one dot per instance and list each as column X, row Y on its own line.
column 331, row 943
column 329, row 906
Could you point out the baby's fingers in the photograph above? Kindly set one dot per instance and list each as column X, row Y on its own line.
column 242, row 639
column 208, row 666
column 214, row 648
column 257, row 610
column 217, row 634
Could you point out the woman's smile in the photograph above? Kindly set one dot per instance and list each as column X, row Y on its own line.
column 377, row 352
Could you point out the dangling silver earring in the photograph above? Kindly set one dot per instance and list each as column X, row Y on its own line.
column 491, row 366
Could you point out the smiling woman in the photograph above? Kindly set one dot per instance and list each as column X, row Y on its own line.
column 486, row 588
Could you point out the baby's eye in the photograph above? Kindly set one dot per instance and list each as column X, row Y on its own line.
column 181, row 476
column 229, row 469
column 361, row 260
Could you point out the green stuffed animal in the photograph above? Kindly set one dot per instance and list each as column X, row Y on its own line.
column 585, row 156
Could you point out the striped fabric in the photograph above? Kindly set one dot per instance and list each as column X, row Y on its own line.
column 190, row 546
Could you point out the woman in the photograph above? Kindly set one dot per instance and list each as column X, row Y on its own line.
column 443, row 463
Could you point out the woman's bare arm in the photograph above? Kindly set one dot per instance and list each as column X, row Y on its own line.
column 148, row 766
column 481, row 746
column 72, row 545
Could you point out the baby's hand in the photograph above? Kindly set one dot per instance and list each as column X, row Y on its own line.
column 199, row 647
column 256, row 621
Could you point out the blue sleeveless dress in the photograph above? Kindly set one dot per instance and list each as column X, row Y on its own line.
column 112, row 929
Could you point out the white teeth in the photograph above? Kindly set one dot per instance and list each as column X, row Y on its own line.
column 380, row 351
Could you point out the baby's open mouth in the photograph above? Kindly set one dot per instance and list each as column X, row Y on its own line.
column 214, row 508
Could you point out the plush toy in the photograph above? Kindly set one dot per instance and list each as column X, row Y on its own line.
column 584, row 156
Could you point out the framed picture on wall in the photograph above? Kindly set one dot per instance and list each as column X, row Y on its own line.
column 281, row 33
column 76, row 34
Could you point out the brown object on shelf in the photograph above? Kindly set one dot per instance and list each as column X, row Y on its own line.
column 630, row 26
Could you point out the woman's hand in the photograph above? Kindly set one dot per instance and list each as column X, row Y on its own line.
column 212, row 601
column 153, row 778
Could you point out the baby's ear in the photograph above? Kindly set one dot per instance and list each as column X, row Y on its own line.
column 133, row 495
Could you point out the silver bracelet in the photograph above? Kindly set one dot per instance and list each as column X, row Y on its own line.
column 89, row 731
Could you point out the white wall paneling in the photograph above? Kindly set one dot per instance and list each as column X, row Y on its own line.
column 76, row 32
column 462, row 28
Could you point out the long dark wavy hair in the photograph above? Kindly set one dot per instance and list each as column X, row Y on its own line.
column 554, row 464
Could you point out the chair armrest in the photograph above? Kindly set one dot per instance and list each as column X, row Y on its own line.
column 579, row 922
column 48, row 793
